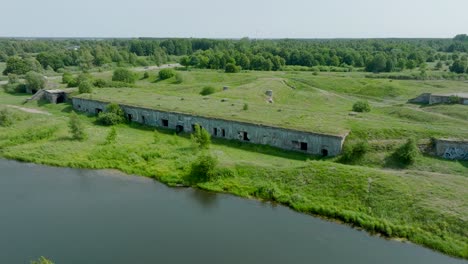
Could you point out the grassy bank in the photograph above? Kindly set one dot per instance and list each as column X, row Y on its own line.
column 424, row 204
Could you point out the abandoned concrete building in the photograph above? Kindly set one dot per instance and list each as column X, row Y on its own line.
column 452, row 149
column 307, row 142
column 52, row 96
column 452, row 98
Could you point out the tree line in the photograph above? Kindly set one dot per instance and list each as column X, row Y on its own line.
column 372, row 55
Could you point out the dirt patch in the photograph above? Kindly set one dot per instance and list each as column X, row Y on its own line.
column 29, row 110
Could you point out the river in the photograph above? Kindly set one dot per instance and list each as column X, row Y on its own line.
column 77, row 216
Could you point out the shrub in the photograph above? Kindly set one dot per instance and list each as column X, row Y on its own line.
column 166, row 74
column 354, row 152
column 12, row 78
column 207, row 90
column 85, row 87
column 114, row 115
column 101, row 83
column 201, row 138
column 76, row 127
column 179, row 78
column 408, row 152
column 123, row 75
column 35, row 80
column 111, row 136
column 454, row 99
column 6, row 118
column 246, row 107
column 361, row 106
column 145, row 75
column 203, row 168
column 231, row 68
column 67, row 78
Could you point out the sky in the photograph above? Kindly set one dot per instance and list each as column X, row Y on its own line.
column 234, row 18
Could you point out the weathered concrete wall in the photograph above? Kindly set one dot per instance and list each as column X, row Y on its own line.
column 452, row 149
column 421, row 99
column 312, row 143
column 55, row 97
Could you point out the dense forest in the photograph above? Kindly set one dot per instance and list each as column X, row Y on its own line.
column 372, row 55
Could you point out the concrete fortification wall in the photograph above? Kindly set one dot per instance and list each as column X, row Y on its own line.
column 312, row 143
column 452, row 149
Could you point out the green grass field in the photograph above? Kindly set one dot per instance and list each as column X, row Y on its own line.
column 426, row 202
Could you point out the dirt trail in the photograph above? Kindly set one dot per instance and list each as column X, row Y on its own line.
column 29, row 110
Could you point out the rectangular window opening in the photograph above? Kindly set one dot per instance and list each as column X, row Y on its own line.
column 215, row 131
column 165, row 122
column 304, row 146
column 223, row 132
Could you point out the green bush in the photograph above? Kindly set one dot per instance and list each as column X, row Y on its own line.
column 6, row 118
column 354, row 152
column 203, row 168
column 145, row 75
column 453, row 99
column 166, row 74
column 112, row 116
column 231, row 68
column 85, row 87
column 111, row 136
column 408, row 152
column 100, row 83
column 207, row 90
column 67, row 78
column 201, row 138
column 76, row 127
column 245, row 107
column 35, row 80
column 123, row 75
column 361, row 106
column 179, row 78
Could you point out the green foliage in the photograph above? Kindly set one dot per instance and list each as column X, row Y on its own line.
column 207, row 90
column 12, row 78
column 245, row 107
column 407, row 153
column 112, row 116
column 16, row 65
column 200, row 137
column 76, row 127
column 179, row 78
column 146, row 75
column 6, row 117
column 85, row 87
column 361, row 106
column 354, row 152
column 231, row 68
column 123, row 75
column 459, row 66
column 67, row 78
column 35, row 80
column 454, row 99
column 111, row 136
column 42, row 260
column 100, row 83
column 166, row 74
column 156, row 137
column 377, row 64
column 203, row 168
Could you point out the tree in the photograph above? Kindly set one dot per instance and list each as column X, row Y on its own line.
column 203, row 168
column 408, row 152
column 76, row 127
column 231, row 68
column 377, row 64
column 67, row 78
column 16, row 65
column 200, row 137
column 85, row 87
column 361, row 106
column 458, row 66
column 123, row 75
column 35, row 81
column 438, row 65
column 166, row 74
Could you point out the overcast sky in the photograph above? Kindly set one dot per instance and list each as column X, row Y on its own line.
column 234, row 18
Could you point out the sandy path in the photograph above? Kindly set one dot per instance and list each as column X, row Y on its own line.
column 29, row 110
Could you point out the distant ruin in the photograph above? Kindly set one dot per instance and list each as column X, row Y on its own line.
column 452, row 98
column 52, row 96
column 284, row 138
column 451, row 149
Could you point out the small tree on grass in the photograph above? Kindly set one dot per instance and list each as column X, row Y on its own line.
column 114, row 115
column 408, row 152
column 166, row 74
column 231, row 68
column 85, row 87
column 6, row 118
column 207, row 90
column 246, row 107
column 76, row 127
column 35, row 81
column 203, row 168
column 361, row 106
column 111, row 136
column 201, row 138
column 123, row 75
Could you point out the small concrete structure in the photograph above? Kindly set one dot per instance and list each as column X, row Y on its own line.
column 428, row 98
column 452, row 149
column 53, row 96
column 269, row 93
column 290, row 139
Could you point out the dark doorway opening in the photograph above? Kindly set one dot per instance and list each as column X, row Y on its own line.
column 130, row 117
column 143, row 119
column 33, row 91
column 215, row 131
column 245, row 136
column 165, row 122
column 304, row 146
column 324, row 152
column 98, row 110
column 179, row 129
column 60, row 99
column 223, row 132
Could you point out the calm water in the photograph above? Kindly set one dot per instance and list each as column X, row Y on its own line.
column 86, row 217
